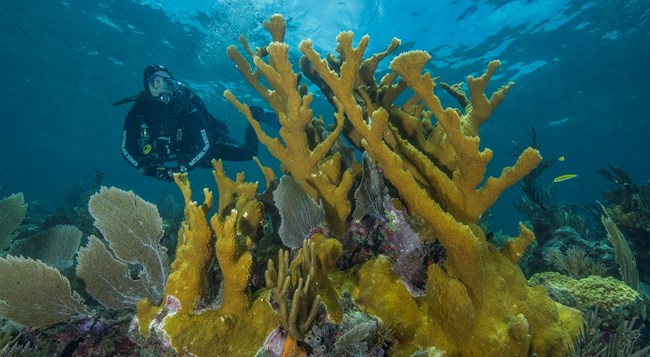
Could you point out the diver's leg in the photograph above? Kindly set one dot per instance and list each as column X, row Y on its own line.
column 227, row 148
column 251, row 140
column 265, row 116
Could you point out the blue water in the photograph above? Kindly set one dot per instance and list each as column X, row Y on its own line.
column 581, row 72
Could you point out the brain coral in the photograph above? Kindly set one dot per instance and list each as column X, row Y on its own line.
column 616, row 301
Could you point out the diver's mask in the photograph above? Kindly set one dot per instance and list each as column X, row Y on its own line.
column 162, row 86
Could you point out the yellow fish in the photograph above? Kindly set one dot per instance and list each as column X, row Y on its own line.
column 564, row 177
column 561, row 158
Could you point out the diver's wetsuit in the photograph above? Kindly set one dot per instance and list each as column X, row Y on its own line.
column 160, row 138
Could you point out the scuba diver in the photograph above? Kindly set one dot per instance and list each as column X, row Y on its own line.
column 169, row 129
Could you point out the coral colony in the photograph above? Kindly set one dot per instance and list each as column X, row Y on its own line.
column 339, row 256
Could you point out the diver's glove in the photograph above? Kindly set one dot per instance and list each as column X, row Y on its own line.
column 165, row 174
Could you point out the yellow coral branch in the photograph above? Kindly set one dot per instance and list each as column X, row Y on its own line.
column 241, row 196
column 269, row 175
column 515, row 247
column 487, row 195
column 482, row 107
column 458, row 192
column 276, row 26
column 293, row 151
column 466, row 202
column 189, row 283
column 235, row 261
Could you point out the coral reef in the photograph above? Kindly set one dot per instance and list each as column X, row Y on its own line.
column 425, row 176
column 88, row 338
column 557, row 226
column 437, row 169
column 318, row 174
column 299, row 213
column 298, row 317
column 570, row 252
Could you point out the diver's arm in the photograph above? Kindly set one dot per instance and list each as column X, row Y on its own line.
column 130, row 135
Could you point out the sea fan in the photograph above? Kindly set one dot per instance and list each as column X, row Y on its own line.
column 12, row 212
column 300, row 214
column 55, row 246
column 368, row 196
column 132, row 229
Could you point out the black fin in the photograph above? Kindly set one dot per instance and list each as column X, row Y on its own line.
column 132, row 98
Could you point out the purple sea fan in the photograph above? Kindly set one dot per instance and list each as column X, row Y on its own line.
column 398, row 231
column 273, row 345
column 86, row 325
column 407, row 250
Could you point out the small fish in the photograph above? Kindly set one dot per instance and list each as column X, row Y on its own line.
column 564, row 177
column 561, row 158
column 558, row 122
